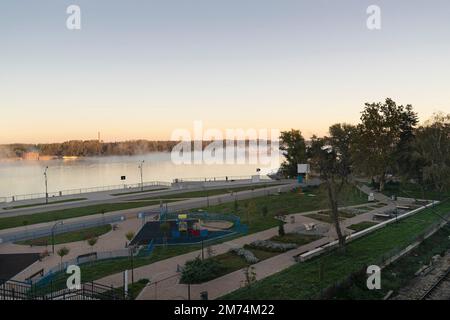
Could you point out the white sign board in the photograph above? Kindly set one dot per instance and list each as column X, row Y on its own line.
column 302, row 168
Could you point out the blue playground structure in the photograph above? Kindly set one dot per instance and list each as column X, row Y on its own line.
column 186, row 228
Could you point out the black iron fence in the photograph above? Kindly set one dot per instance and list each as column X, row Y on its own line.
column 15, row 290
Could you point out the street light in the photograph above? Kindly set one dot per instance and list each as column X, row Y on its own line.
column 53, row 234
column 46, row 187
column 142, row 181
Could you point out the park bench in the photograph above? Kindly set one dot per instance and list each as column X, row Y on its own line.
column 382, row 215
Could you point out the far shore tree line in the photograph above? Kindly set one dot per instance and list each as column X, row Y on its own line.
column 95, row 148
column 387, row 143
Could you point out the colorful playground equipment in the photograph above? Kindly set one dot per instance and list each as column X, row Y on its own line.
column 179, row 228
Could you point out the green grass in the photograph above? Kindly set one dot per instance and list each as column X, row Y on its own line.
column 412, row 190
column 69, row 236
column 17, row 221
column 133, row 289
column 401, row 272
column 260, row 253
column 136, row 192
column 362, row 225
column 299, row 239
column 212, row 192
column 230, row 261
column 302, row 281
column 284, row 203
column 99, row 269
column 43, row 204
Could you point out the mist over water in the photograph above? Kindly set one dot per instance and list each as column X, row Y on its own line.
column 27, row 177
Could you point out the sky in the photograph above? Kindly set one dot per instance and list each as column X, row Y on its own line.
column 141, row 69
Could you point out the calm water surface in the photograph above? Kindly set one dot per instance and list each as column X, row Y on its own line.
column 26, row 177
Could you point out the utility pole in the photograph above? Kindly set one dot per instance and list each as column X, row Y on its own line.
column 142, row 181
column 46, row 186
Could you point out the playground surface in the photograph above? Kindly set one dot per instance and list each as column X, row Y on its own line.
column 188, row 228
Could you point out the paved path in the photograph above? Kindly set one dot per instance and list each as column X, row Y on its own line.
column 102, row 197
column 189, row 204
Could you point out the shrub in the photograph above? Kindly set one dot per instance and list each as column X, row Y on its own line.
column 246, row 254
column 272, row 246
column 198, row 270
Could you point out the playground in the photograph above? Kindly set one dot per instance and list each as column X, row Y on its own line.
column 188, row 228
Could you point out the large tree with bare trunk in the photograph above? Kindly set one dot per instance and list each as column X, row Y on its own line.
column 330, row 157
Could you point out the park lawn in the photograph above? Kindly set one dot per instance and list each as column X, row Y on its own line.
column 18, row 221
column 43, row 204
column 299, row 239
column 284, row 203
column 133, row 289
column 402, row 271
column 302, row 281
column 362, row 225
column 261, row 254
column 230, row 261
column 137, row 192
column 103, row 268
column 412, row 190
column 212, row 192
column 71, row 236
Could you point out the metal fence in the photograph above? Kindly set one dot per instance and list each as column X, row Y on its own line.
column 15, row 290
column 84, row 190
column 67, row 227
column 51, row 273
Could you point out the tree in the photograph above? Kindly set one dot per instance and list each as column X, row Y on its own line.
column 129, row 236
column 64, row 251
column 432, row 145
column 384, row 130
column 331, row 158
column 293, row 146
column 91, row 242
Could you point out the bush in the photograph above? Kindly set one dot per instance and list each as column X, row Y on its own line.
column 198, row 270
column 272, row 246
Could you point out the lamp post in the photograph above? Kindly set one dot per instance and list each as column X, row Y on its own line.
column 53, row 234
column 46, row 186
column 142, row 181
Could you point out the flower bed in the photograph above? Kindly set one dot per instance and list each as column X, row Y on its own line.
column 272, row 246
column 246, row 254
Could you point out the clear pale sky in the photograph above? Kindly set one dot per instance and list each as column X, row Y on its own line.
column 140, row 69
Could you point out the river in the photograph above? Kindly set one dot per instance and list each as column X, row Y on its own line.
column 21, row 177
